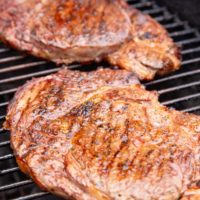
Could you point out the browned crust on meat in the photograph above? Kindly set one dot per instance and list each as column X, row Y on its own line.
column 151, row 51
column 64, row 31
column 89, row 30
column 77, row 84
column 105, row 138
column 191, row 194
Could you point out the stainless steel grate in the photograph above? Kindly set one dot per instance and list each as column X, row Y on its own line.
column 180, row 90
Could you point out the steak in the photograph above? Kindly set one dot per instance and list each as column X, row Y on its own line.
column 89, row 30
column 64, row 31
column 101, row 135
column 150, row 51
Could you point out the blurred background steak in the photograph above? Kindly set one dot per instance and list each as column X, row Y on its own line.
column 64, row 31
column 89, row 30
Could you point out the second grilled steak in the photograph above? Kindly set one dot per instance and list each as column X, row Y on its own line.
column 150, row 51
column 99, row 135
column 89, row 30
column 64, row 31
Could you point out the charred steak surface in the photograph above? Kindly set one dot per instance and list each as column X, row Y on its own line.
column 64, row 31
column 101, row 135
column 150, row 50
column 89, row 30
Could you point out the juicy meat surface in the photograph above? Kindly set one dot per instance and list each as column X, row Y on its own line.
column 89, row 30
column 64, row 31
column 105, row 138
column 150, row 51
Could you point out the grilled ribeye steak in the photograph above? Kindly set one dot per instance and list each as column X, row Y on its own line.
column 150, row 51
column 64, row 31
column 105, row 138
column 89, row 30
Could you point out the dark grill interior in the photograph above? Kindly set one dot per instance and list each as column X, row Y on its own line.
column 180, row 90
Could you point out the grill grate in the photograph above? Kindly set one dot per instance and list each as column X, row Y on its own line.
column 179, row 90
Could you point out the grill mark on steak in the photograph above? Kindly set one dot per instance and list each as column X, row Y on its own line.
column 107, row 138
column 89, row 30
column 29, row 137
column 150, row 51
column 142, row 164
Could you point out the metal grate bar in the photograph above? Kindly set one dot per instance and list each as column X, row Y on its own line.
column 163, row 18
column 8, row 91
column 185, row 98
column 4, row 50
column 32, row 196
column 22, row 66
column 176, row 76
column 2, row 144
column 4, row 104
column 6, row 157
column 190, row 61
column 14, row 185
column 74, row 66
column 179, row 87
column 16, row 78
column 191, row 50
column 6, row 171
column 11, row 58
column 173, row 25
column 154, row 11
column 192, row 109
column 2, row 117
column 143, row 5
column 188, row 41
column 184, row 32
